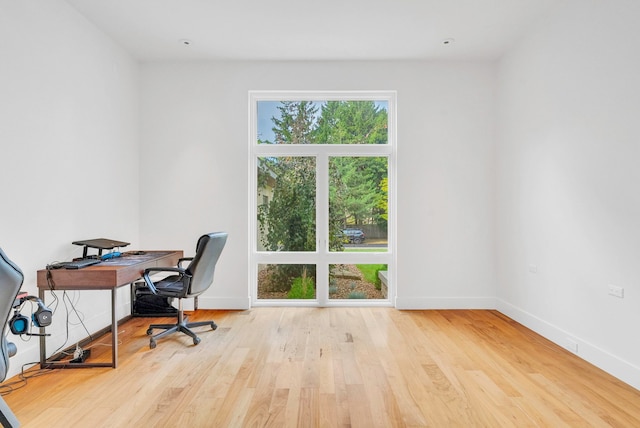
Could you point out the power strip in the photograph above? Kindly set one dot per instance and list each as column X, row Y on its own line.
column 81, row 356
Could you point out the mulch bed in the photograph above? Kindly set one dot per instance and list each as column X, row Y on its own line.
column 347, row 281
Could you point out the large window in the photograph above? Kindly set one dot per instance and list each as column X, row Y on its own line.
column 322, row 200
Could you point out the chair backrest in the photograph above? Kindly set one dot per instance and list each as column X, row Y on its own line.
column 11, row 278
column 203, row 265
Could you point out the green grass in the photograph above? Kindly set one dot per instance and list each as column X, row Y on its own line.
column 370, row 273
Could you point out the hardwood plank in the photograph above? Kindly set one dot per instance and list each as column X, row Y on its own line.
column 333, row 367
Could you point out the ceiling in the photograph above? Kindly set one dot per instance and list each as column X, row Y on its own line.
column 314, row 30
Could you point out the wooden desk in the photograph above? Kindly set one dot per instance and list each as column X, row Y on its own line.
column 108, row 275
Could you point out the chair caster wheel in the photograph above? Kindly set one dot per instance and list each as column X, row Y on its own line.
column 152, row 344
column 196, row 340
column 213, row 326
column 149, row 332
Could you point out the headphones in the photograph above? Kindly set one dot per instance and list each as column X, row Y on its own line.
column 19, row 324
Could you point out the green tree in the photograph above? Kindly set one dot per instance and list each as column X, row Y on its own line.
column 289, row 218
column 383, row 201
column 357, row 188
column 351, row 122
column 355, row 181
column 297, row 123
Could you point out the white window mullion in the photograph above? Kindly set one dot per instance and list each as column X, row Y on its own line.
column 322, row 227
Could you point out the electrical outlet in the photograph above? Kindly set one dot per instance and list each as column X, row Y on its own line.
column 533, row 268
column 616, row 291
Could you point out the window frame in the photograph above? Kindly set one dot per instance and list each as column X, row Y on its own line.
column 322, row 152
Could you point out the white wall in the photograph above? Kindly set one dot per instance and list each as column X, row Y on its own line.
column 567, row 182
column 68, row 138
column 194, row 167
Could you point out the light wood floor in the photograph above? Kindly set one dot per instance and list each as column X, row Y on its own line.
column 333, row 367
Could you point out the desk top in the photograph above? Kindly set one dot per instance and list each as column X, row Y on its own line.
column 108, row 274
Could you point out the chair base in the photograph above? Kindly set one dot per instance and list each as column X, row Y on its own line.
column 181, row 327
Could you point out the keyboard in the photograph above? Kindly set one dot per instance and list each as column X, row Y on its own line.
column 82, row 263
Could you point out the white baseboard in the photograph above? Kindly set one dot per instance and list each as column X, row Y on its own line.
column 445, row 303
column 600, row 358
column 230, row 303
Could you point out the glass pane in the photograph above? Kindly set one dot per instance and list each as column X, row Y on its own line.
column 286, row 202
column 280, row 281
column 358, row 204
column 322, row 122
column 358, row 281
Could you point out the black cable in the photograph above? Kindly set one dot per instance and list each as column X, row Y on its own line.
column 80, row 318
column 8, row 388
column 65, row 298
column 52, row 287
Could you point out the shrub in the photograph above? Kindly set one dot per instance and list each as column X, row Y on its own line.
column 302, row 288
column 357, row 295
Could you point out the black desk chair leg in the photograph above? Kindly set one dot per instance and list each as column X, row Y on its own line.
column 181, row 326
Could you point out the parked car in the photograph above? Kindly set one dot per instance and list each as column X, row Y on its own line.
column 354, row 236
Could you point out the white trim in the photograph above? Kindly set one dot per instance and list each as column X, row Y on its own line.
column 376, row 95
column 224, row 303
column 428, row 303
column 335, row 303
column 623, row 370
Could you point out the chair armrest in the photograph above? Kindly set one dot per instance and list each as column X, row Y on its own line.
column 184, row 259
column 153, row 270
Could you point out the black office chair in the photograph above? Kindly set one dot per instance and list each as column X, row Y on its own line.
column 187, row 282
column 11, row 278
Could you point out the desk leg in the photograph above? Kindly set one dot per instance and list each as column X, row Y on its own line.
column 43, row 341
column 114, row 330
column 114, row 342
